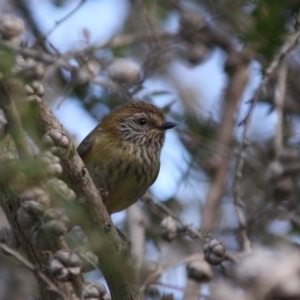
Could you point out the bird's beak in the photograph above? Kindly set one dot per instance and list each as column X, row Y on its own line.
column 166, row 125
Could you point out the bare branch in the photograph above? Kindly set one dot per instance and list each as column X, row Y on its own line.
column 246, row 244
column 192, row 232
column 279, row 104
column 59, row 22
column 151, row 279
column 238, row 80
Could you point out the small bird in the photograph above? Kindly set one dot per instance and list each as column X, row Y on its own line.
column 122, row 154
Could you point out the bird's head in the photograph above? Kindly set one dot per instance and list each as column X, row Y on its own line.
column 140, row 123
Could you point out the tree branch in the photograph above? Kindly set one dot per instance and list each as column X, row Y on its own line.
column 239, row 75
column 91, row 214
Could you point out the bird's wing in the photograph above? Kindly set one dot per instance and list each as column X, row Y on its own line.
column 156, row 174
column 84, row 149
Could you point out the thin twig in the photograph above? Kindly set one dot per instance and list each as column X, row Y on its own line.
column 261, row 213
column 175, row 287
column 192, row 232
column 161, row 270
column 54, row 62
column 246, row 244
column 279, row 103
column 23, row 7
column 123, row 41
column 59, row 22
column 31, row 267
column 37, row 55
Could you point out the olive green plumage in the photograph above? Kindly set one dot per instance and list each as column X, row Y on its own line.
column 122, row 153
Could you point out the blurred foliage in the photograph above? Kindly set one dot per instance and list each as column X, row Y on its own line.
column 7, row 59
column 272, row 22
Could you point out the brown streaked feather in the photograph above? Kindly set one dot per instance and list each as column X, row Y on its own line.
column 86, row 145
column 122, row 157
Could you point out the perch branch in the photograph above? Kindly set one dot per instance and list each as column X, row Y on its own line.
column 92, row 215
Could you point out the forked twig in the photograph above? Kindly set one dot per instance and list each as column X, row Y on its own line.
column 192, row 232
column 59, row 22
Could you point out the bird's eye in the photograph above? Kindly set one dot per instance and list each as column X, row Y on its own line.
column 142, row 121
